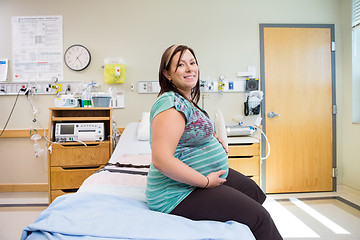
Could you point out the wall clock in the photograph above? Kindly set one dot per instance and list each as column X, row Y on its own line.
column 77, row 57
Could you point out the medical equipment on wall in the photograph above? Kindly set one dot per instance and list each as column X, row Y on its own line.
column 252, row 84
column 114, row 70
column 66, row 101
column 69, row 132
column 221, row 84
column 252, row 104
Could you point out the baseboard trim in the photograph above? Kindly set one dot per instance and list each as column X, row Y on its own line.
column 24, row 187
column 27, row 205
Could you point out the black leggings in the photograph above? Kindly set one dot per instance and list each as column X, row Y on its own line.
column 238, row 199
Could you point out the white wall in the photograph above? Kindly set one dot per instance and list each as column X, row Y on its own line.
column 348, row 132
column 224, row 35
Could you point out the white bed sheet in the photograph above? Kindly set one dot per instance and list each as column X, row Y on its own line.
column 129, row 145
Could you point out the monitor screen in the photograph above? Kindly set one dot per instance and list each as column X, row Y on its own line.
column 67, row 129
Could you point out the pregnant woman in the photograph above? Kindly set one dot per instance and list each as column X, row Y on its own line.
column 189, row 174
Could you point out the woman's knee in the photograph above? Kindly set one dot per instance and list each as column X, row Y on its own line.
column 257, row 193
column 245, row 185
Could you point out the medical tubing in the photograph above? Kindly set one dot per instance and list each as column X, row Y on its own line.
column 11, row 111
column 267, row 141
column 58, row 142
column 81, row 142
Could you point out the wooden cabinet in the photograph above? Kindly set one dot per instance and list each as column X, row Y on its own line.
column 244, row 157
column 70, row 163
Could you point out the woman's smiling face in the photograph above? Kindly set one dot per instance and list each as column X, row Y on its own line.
column 183, row 73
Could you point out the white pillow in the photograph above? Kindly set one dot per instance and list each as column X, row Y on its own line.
column 143, row 131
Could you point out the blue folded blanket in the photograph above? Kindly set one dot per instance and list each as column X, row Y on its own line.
column 87, row 215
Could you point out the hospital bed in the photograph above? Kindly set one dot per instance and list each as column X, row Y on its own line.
column 111, row 204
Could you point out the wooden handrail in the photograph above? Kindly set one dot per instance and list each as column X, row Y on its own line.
column 21, row 133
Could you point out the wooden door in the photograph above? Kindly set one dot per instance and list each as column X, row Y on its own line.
column 297, row 75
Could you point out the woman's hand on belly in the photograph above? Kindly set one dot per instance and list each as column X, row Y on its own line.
column 215, row 180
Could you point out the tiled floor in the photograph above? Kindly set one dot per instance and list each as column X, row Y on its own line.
column 305, row 216
column 321, row 215
column 323, row 218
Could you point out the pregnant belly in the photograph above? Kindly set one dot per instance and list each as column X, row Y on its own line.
column 206, row 158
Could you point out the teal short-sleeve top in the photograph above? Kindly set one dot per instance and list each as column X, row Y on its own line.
column 198, row 148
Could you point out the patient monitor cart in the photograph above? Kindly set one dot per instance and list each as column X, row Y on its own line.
column 70, row 163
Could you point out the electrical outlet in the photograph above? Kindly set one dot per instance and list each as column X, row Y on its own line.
column 148, row 87
column 231, row 85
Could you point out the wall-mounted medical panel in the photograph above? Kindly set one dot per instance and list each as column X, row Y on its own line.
column 228, row 86
column 39, row 88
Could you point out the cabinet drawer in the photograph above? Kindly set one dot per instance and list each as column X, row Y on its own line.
column 244, row 149
column 80, row 155
column 247, row 166
column 62, row 178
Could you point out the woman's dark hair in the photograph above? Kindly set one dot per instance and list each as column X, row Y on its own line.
column 165, row 84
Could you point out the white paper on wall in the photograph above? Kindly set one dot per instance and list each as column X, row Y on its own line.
column 37, row 48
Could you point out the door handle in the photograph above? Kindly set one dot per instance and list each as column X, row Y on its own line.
column 272, row 115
